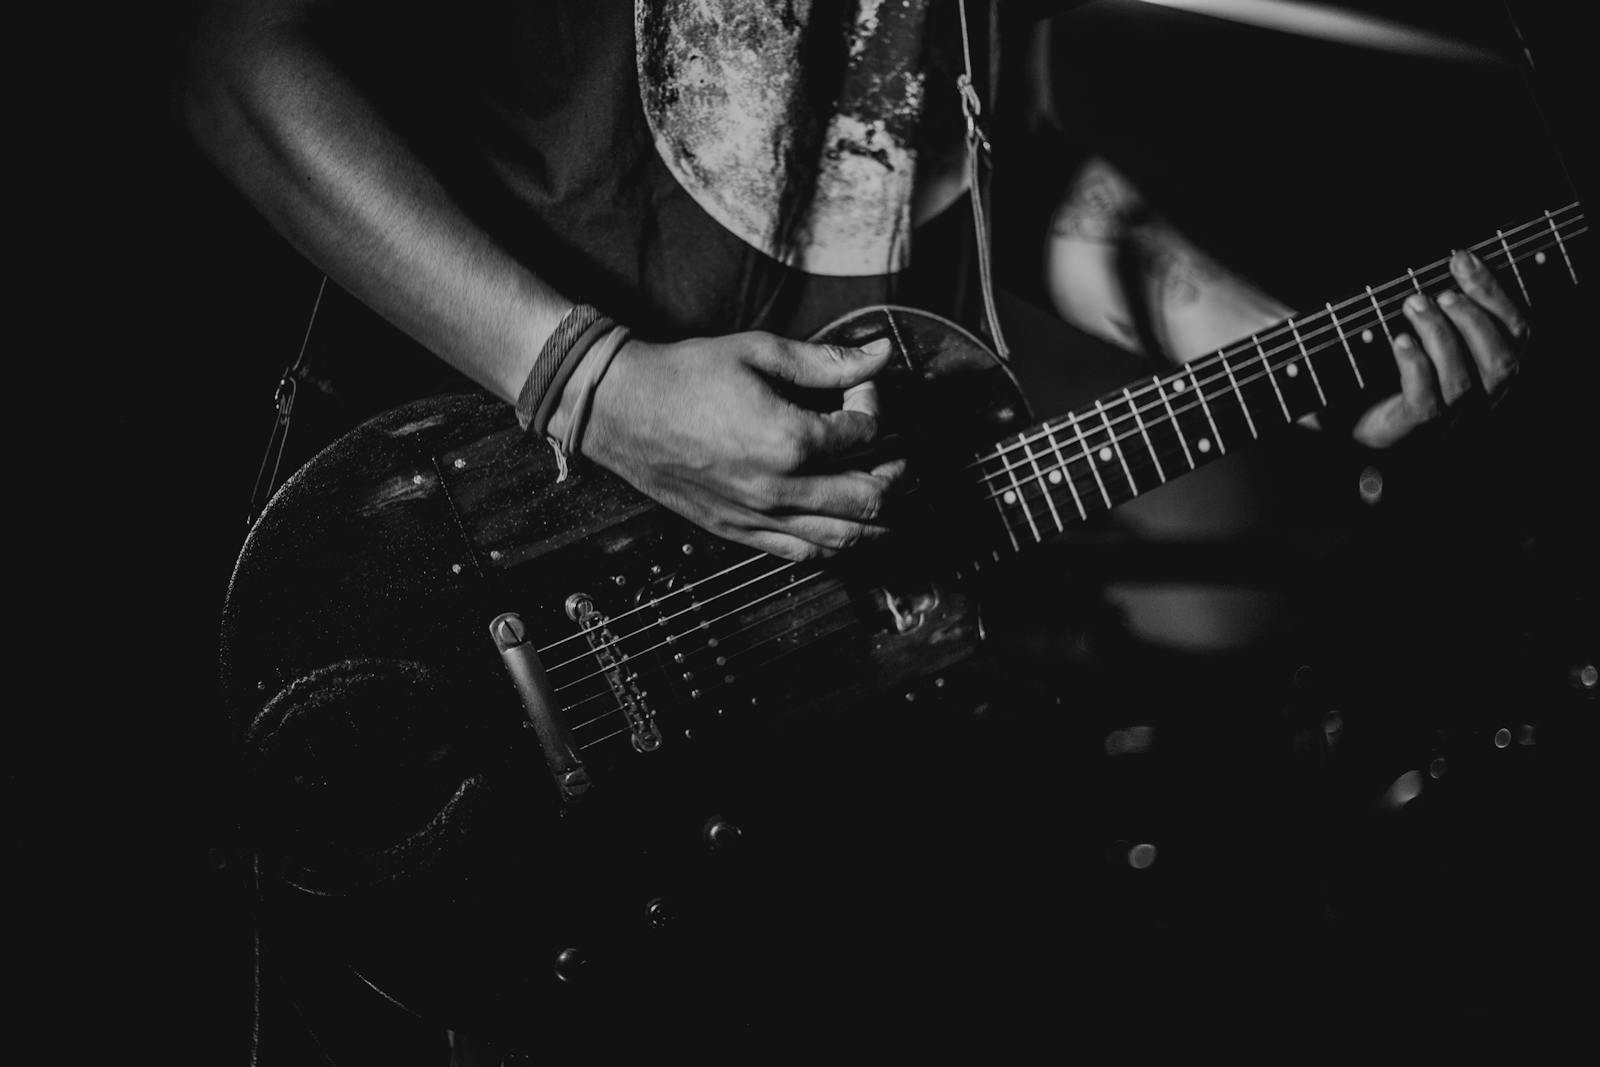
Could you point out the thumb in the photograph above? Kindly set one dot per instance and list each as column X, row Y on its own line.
column 813, row 366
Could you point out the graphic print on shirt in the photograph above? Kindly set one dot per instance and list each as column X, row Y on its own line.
column 721, row 83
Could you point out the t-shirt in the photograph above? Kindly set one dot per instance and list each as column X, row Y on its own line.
column 702, row 166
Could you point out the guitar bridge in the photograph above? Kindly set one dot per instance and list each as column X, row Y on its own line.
column 644, row 734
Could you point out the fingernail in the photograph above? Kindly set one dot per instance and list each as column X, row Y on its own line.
column 1403, row 340
column 1449, row 298
column 1417, row 302
column 1464, row 262
column 880, row 347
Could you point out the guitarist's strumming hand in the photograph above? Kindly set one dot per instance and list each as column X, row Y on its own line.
column 1465, row 341
column 716, row 429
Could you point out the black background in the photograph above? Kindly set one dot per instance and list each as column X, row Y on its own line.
column 1312, row 167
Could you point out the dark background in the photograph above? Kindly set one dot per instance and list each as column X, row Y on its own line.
column 1312, row 167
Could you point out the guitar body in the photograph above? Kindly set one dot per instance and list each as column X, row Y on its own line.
column 414, row 808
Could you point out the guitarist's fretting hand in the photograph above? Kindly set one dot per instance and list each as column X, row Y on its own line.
column 1190, row 305
column 707, row 428
column 1468, row 341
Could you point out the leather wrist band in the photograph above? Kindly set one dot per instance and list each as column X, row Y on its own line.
column 570, row 360
column 553, row 356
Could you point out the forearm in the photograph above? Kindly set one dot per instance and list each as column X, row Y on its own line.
column 309, row 149
column 1118, row 270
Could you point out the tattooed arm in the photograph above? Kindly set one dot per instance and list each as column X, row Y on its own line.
column 1115, row 268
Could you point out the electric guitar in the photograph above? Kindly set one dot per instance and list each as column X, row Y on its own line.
column 436, row 641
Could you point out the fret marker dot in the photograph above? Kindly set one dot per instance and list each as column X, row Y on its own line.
column 1010, row 497
column 1366, row 337
column 1177, row 386
column 1055, row 477
column 1292, row 370
column 1539, row 258
column 1205, row 444
column 1105, row 455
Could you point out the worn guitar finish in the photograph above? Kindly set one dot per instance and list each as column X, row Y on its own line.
column 502, row 716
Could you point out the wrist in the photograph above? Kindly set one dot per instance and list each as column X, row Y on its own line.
column 561, row 417
column 559, row 355
column 569, row 420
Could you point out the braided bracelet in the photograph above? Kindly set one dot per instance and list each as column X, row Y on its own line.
column 579, row 328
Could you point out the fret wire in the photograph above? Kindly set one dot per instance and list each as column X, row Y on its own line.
column 1338, row 327
column 1043, row 487
column 1066, row 469
column 1310, row 365
column 1189, row 371
column 1133, row 407
column 1239, row 394
column 1116, row 447
column 1559, row 244
column 1265, row 362
column 1077, row 429
column 1345, row 341
column 1381, row 320
column 1416, row 284
column 1086, row 485
column 1222, row 449
column 1515, row 270
column 1022, row 501
column 1177, row 428
column 1004, row 520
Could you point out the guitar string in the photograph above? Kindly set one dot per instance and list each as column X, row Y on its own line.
column 684, row 590
column 724, row 684
column 748, row 649
column 721, row 640
column 1361, row 300
column 1083, row 437
column 1275, row 333
column 1083, row 474
column 715, row 684
column 1016, row 483
column 731, row 657
column 814, row 595
column 674, row 638
column 663, row 644
column 703, row 625
column 1540, row 240
column 1234, row 389
column 617, row 642
column 611, row 621
column 695, row 605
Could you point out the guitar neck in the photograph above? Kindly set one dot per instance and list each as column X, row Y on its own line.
column 1068, row 468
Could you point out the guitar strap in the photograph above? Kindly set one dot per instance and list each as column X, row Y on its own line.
column 283, row 405
column 979, row 166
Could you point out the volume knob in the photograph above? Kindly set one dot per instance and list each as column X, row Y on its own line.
column 569, row 963
column 720, row 835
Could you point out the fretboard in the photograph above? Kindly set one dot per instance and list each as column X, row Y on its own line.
column 1066, row 469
